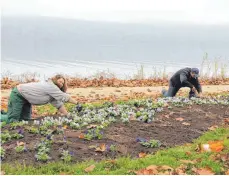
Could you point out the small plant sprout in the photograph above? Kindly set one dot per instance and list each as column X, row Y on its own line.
column 20, row 148
column 5, row 136
column 113, row 147
column 2, row 152
column 66, row 156
column 33, row 130
column 15, row 125
column 151, row 143
column 42, row 156
column 17, row 136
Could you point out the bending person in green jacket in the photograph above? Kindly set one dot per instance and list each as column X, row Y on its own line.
column 24, row 96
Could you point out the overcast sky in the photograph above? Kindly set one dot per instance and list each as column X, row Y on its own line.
column 140, row 11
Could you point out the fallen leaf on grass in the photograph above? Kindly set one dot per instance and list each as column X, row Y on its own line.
column 216, row 146
column 144, row 172
column 227, row 172
column 164, row 167
column 186, row 124
column 212, row 128
column 101, row 148
column 2, row 173
column 188, row 161
column 63, row 173
column 188, row 153
column 90, row 168
column 181, row 170
column 224, row 157
column 179, row 119
column 142, row 155
column 111, row 161
column 153, row 168
column 204, row 171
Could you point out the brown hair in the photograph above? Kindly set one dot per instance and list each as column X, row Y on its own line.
column 56, row 77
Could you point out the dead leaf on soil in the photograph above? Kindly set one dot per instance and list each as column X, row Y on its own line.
column 204, row 171
column 101, row 148
column 81, row 136
column 179, row 119
column 226, row 121
column 132, row 118
column 216, row 146
column 90, row 168
column 20, row 143
column 188, row 153
column 142, row 155
column 91, row 126
column 212, row 128
column 186, row 124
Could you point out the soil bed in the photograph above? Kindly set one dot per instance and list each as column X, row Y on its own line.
column 173, row 127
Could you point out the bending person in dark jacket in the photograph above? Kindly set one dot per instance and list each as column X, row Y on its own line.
column 187, row 77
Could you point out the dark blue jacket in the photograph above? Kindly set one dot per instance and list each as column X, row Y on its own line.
column 183, row 78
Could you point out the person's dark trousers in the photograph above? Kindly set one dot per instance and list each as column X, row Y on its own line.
column 171, row 92
column 18, row 108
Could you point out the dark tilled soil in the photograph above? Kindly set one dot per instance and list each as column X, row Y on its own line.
column 169, row 131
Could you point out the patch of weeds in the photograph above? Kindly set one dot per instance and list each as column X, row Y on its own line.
column 151, row 143
column 93, row 134
column 59, row 130
column 33, row 130
column 113, row 148
column 43, row 149
column 2, row 124
column 15, row 125
column 43, row 129
column 41, row 156
column 17, row 136
column 2, row 152
column 5, row 136
column 66, row 156
column 20, row 148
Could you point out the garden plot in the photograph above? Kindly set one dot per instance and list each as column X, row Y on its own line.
column 134, row 128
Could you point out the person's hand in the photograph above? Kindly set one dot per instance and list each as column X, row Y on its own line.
column 194, row 90
column 200, row 95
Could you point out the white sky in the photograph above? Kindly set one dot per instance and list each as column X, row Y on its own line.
column 147, row 11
